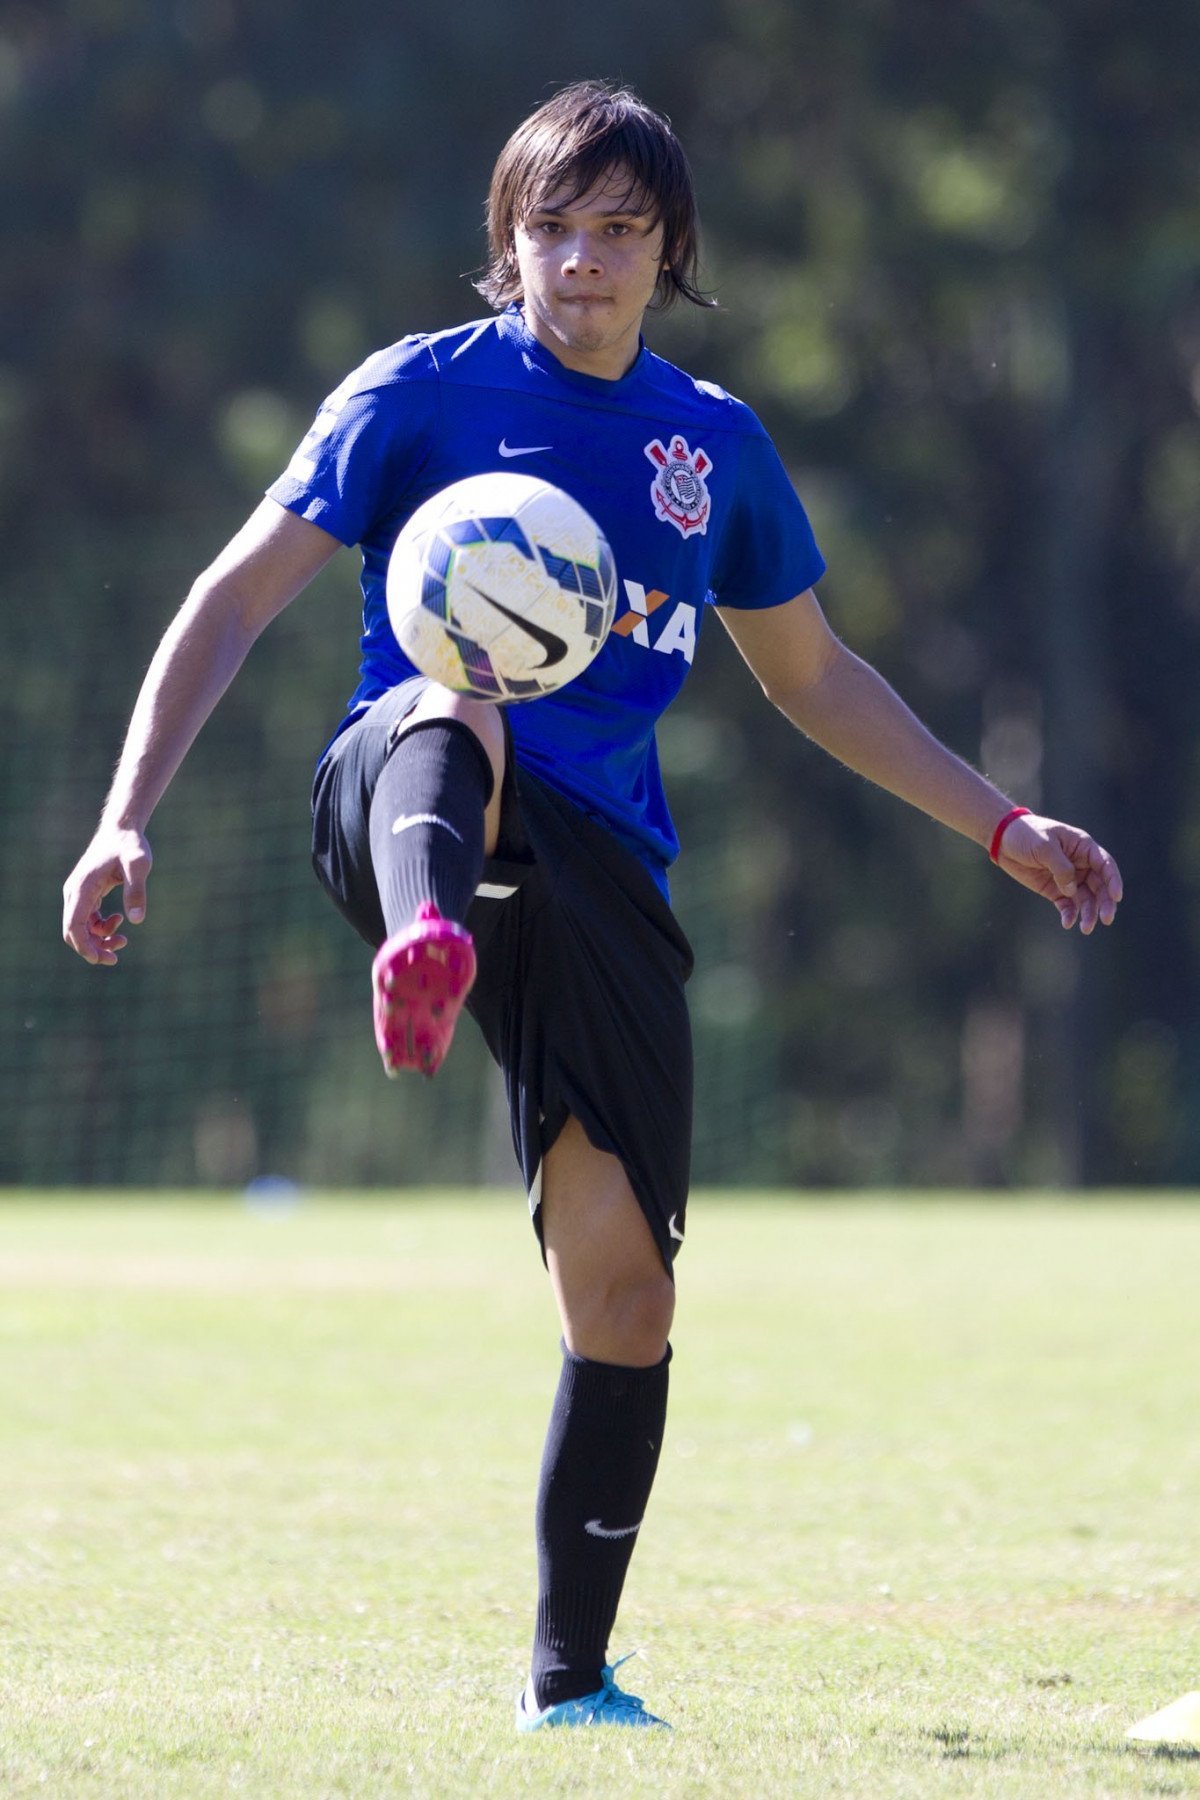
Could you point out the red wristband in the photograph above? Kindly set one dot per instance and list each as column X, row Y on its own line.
column 1018, row 812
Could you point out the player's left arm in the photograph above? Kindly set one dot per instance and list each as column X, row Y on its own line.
column 846, row 706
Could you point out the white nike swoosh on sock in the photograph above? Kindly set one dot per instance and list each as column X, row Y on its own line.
column 404, row 820
column 595, row 1529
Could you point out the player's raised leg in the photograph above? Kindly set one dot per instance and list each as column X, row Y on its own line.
column 616, row 1301
column 434, row 815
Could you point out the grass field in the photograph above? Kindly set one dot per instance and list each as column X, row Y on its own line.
column 926, row 1521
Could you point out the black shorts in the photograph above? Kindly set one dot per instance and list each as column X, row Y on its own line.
column 582, row 966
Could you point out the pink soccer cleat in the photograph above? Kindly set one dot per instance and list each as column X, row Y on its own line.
column 421, row 977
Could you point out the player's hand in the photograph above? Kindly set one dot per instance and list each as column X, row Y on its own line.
column 114, row 858
column 1066, row 866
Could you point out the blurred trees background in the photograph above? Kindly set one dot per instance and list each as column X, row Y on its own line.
column 957, row 252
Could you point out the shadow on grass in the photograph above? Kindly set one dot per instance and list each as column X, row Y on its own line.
column 957, row 1741
column 1184, row 1753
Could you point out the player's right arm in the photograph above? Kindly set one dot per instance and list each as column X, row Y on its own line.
column 265, row 566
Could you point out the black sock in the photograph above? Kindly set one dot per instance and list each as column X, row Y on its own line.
column 598, row 1467
column 427, row 821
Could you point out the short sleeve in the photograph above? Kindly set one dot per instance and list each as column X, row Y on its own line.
column 362, row 451
column 767, row 554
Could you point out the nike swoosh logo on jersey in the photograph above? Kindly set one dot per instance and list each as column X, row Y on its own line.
column 523, row 450
column 555, row 647
column 595, row 1529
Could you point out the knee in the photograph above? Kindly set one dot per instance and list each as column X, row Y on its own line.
column 627, row 1322
column 480, row 716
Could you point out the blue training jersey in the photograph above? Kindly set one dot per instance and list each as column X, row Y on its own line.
column 681, row 478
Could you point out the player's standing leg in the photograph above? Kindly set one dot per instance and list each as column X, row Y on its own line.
column 433, row 817
column 616, row 1301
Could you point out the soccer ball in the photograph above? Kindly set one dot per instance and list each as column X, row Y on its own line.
column 501, row 586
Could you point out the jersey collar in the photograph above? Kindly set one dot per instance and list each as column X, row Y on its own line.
column 512, row 326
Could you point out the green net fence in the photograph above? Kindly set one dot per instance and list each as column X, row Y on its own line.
column 872, row 1005
column 233, row 1040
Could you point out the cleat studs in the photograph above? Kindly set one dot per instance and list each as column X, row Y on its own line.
column 419, row 987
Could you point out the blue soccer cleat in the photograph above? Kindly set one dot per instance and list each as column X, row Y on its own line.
column 608, row 1706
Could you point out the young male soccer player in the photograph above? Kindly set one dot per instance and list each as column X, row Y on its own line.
column 517, row 859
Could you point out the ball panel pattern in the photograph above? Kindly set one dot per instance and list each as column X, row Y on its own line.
column 501, row 586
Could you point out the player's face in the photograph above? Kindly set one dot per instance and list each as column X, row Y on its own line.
column 589, row 269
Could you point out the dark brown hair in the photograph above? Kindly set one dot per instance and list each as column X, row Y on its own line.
column 587, row 132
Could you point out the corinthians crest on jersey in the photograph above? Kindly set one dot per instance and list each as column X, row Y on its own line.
column 678, row 491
